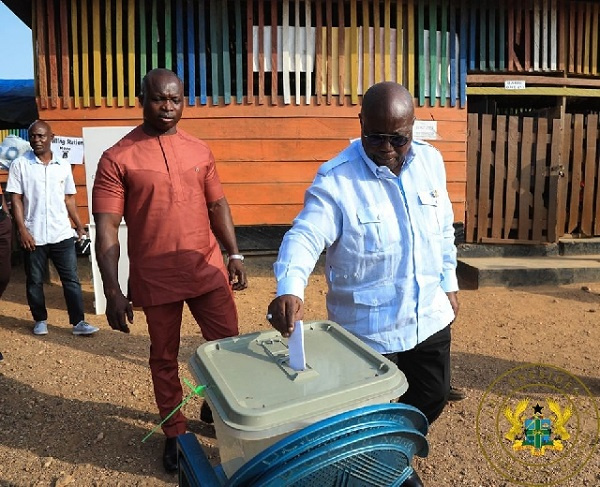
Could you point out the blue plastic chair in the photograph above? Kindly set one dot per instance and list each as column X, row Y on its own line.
column 370, row 446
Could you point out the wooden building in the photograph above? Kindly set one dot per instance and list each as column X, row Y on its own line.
column 274, row 107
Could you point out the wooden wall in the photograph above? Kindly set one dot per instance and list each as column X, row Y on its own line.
column 267, row 156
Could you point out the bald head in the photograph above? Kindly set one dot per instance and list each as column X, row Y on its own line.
column 386, row 121
column 40, row 139
column 390, row 96
column 162, row 99
column 40, row 124
column 153, row 76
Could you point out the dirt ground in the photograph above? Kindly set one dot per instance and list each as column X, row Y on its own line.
column 73, row 410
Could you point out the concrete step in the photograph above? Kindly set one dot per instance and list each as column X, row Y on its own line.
column 475, row 272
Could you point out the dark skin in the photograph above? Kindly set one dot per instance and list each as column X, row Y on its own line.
column 40, row 139
column 387, row 108
column 162, row 101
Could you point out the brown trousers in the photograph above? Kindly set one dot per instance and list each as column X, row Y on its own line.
column 5, row 251
column 216, row 315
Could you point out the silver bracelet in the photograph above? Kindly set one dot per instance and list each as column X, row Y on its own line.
column 236, row 257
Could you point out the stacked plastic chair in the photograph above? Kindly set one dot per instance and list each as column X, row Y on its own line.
column 371, row 446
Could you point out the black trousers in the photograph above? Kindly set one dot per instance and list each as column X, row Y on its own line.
column 427, row 369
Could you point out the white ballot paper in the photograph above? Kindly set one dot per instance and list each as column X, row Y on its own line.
column 296, row 347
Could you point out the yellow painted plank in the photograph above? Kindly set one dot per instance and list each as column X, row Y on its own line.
column 587, row 39
column 411, row 47
column 595, row 39
column 75, row 52
column 85, row 54
column 399, row 42
column 97, row 54
column 366, row 55
column 541, row 90
column 108, row 53
column 131, row 52
column 119, row 53
column 387, row 67
column 353, row 53
column 335, row 66
column 377, row 33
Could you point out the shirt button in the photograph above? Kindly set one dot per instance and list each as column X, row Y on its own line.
column 345, row 276
column 374, row 302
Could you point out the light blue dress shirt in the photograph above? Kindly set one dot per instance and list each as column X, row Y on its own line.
column 43, row 187
column 390, row 246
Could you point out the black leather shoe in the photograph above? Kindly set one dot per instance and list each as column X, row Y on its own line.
column 170, row 455
column 456, row 394
column 413, row 480
column 206, row 413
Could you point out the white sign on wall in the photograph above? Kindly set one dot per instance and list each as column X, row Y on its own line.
column 97, row 140
column 514, row 84
column 425, row 130
column 68, row 149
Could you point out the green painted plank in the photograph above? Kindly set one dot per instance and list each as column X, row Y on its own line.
column 482, row 34
column 444, row 46
column 433, row 64
column 492, row 37
column 168, row 47
column 143, row 40
column 501, row 38
column 154, row 34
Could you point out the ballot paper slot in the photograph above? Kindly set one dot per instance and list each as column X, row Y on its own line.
column 279, row 351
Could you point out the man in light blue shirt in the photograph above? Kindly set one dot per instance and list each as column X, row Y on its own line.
column 382, row 211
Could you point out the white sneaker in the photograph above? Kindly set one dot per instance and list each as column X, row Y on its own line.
column 84, row 328
column 40, row 328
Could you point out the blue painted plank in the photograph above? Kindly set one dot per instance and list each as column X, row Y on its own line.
column 215, row 48
column 191, row 50
column 463, row 43
column 453, row 80
column 202, row 50
column 179, row 38
column 472, row 38
column 239, row 65
column 225, row 51
column 422, row 53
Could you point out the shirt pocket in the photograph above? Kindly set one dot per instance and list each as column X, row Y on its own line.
column 429, row 203
column 375, row 307
column 378, row 227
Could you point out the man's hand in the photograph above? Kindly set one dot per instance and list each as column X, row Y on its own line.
column 81, row 233
column 26, row 240
column 284, row 311
column 237, row 274
column 117, row 308
column 453, row 298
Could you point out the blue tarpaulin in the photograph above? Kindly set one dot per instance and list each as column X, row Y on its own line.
column 17, row 103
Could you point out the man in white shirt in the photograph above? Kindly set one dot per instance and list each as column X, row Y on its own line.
column 382, row 211
column 43, row 199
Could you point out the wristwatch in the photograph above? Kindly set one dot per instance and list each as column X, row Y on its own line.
column 236, row 257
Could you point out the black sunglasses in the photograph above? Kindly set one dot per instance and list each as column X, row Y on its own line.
column 395, row 140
